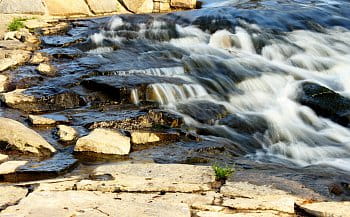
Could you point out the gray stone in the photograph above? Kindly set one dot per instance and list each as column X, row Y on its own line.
column 22, row 7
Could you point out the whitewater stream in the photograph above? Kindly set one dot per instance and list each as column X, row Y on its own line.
column 250, row 58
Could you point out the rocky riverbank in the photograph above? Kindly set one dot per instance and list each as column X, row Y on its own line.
column 79, row 138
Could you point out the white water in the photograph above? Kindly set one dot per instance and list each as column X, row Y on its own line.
column 271, row 80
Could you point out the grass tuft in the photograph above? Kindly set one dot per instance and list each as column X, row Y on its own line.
column 222, row 172
column 16, row 24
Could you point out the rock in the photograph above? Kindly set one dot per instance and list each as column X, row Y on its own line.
column 67, row 133
column 42, row 99
column 58, row 28
column 47, row 119
column 252, row 197
column 57, row 165
column 16, row 136
column 61, row 41
column 325, row 102
column 189, row 4
column 47, row 69
column 10, row 167
column 85, row 204
column 10, row 195
column 104, row 141
column 103, row 6
column 17, row 45
column 3, row 158
column 13, row 58
column 129, row 119
column 248, row 124
column 4, row 83
column 139, row 6
column 203, row 111
column 327, row 209
column 38, row 58
column 250, row 214
column 10, row 35
column 138, row 137
column 65, row 53
column 67, row 8
column 25, row 7
column 36, row 23
column 143, row 177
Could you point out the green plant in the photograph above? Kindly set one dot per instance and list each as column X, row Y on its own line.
column 222, row 172
column 16, row 24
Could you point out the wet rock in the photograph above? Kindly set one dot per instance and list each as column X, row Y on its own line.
column 334, row 209
column 58, row 165
column 3, row 158
column 120, row 87
column 65, row 53
column 104, row 141
column 325, row 102
column 4, row 83
column 97, row 204
column 130, row 119
column 203, row 111
column 26, row 7
column 67, row 133
column 67, row 8
column 12, row 58
column 61, row 41
column 38, row 57
column 10, row 195
column 245, row 124
column 47, row 69
column 14, row 135
column 42, row 99
column 10, row 167
column 144, row 137
column 141, row 177
column 47, row 119
column 190, row 4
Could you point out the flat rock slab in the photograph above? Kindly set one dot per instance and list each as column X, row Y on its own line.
column 10, row 167
column 78, row 203
column 328, row 209
column 24, row 7
column 250, row 214
column 48, row 119
column 151, row 178
column 104, row 6
column 10, row 195
column 67, row 7
column 3, row 158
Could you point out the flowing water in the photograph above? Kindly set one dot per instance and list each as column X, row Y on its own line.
column 250, row 57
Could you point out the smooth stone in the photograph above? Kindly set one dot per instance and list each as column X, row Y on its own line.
column 139, row 6
column 13, row 58
column 38, row 57
column 47, row 69
column 149, row 177
column 103, row 6
column 67, row 7
column 4, row 83
column 143, row 137
column 3, row 158
column 21, row 138
column 47, row 119
column 104, row 141
column 11, row 166
column 87, row 204
column 36, row 23
column 67, row 133
column 247, row 214
column 10, row 195
column 327, row 209
column 24, row 7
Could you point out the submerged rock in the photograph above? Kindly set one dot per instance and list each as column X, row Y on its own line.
column 104, row 141
column 14, row 135
column 325, row 102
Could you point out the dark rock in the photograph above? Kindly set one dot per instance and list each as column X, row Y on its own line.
column 61, row 41
column 203, row 111
column 325, row 102
column 245, row 124
column 59, row 164
column 66, row 53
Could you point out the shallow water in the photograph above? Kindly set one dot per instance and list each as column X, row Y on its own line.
column 251, row 57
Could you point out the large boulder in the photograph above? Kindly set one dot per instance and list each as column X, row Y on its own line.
column 139, row 6
column 325, row 102
column 15, row 135
column 24, row 7
column 104, row 141
column 67, row 7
